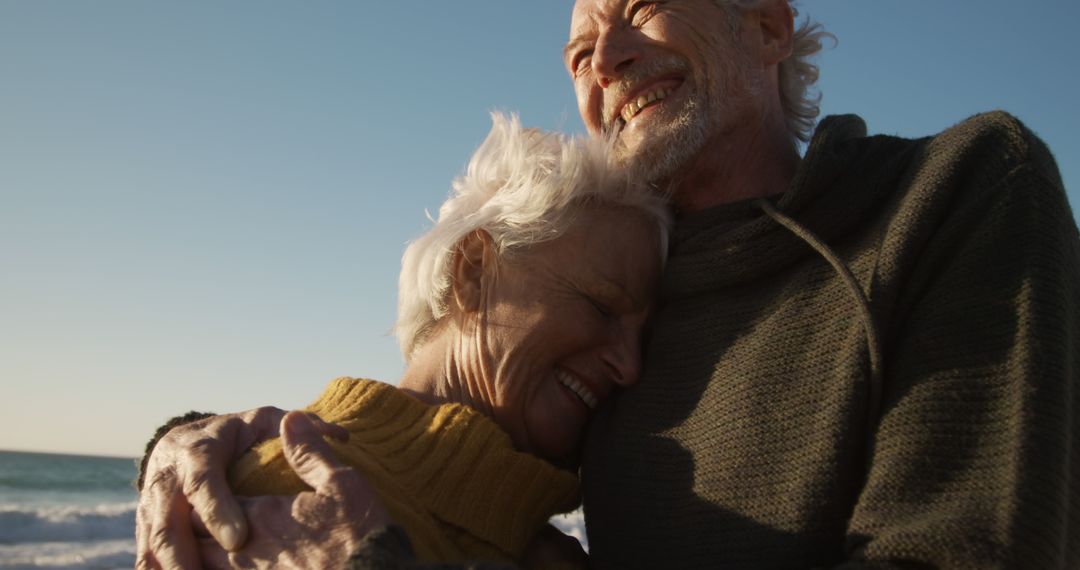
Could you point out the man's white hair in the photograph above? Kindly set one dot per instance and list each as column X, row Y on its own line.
column 797, row 74
column 522, row 187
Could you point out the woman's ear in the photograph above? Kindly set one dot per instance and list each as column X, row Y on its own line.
column 474, row 255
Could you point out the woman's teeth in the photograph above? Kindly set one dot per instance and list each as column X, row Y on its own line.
column 634, row 107
column 578, row 388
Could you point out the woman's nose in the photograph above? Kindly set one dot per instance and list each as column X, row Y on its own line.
column 623, row 359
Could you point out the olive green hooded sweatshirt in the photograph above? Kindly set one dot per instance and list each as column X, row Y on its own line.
column 911, row 403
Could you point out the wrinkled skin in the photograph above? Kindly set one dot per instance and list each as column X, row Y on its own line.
column 315, row 529
column 186, row 498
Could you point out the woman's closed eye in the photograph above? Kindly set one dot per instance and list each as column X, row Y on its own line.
column 603, row 309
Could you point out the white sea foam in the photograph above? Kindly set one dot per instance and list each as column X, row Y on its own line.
column 66, row 512
column 98, row 555
column 38, row 524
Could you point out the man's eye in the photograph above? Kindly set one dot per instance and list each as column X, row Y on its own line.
column 581, row 61
column 641, row 12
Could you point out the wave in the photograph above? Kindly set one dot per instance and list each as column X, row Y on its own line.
column 49, row 472
column 22, row 524
column 36, row 482
column 103, row 555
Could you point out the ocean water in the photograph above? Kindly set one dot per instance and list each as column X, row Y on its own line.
column 66, row 511
column 573, row 524
column 73, row 512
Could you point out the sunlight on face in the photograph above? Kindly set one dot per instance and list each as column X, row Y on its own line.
column 667, row 76
column 564, row 324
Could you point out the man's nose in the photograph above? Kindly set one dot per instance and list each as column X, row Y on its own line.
column 623, row 359
column 614, row 53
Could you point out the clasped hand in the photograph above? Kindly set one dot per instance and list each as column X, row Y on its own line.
column 188, row 517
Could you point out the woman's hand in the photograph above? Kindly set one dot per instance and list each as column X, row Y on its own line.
column 185, row 479
column 319, row 529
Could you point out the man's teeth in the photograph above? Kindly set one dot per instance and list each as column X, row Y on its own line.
column 578, row 388
column 634, row 107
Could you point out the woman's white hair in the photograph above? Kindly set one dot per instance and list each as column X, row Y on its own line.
column 797, row 74
column 522, row 187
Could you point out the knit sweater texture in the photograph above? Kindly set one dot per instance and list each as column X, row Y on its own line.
column 447, row 474
column 746, row 443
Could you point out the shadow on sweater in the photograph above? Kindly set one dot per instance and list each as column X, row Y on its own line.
column 699, row 525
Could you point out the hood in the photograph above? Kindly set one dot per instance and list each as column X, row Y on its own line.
column 833, row 192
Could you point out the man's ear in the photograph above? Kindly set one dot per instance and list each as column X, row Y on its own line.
column 776, row 25
column 474, row 255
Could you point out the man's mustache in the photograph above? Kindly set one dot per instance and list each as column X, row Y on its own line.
column 617, row 92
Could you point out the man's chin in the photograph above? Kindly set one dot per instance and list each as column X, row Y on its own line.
column 653, row 163
column 636, row 148
column 656, row 154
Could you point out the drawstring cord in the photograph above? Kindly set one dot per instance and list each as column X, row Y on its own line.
column 874, row 396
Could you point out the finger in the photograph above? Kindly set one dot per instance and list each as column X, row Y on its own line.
column 310, row 457
column 144, row 560
column 144, row 517
column 255, row 426
column 258, row 510
column 206, row 458
column 252, row 427
column 328, row 429
column 198, row 527
column 170, row 542
column 314, row 462
column 212, row 555
column 208, row 492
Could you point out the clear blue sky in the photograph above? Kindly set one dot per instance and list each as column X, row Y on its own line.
column 203, row 204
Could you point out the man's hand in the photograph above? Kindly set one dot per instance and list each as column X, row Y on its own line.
column 185, row 479
column 319, row 529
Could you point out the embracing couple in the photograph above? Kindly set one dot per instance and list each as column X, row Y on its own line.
column 864, row 355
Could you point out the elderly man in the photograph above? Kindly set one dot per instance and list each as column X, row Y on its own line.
column 866, row 356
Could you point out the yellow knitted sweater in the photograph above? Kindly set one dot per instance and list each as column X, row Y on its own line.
column 447, row 474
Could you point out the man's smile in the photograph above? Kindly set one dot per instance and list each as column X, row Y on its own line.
column 631, row 109
column 630, row 99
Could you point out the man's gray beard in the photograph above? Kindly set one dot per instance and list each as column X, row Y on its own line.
column 668, row 148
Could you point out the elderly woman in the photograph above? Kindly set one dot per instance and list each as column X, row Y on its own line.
column 519, row 313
